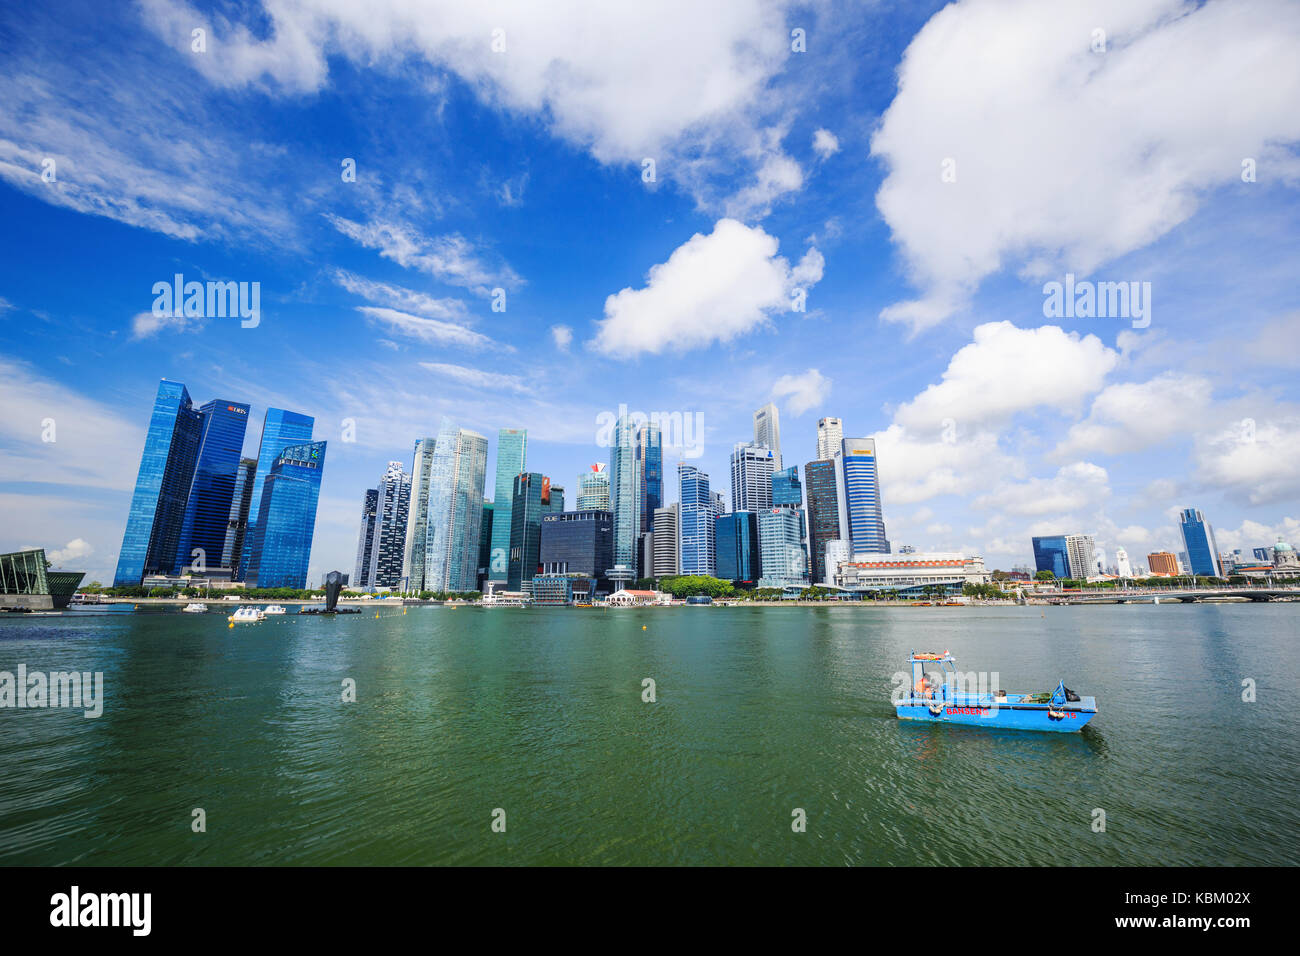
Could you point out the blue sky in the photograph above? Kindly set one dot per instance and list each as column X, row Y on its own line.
column 521, row 168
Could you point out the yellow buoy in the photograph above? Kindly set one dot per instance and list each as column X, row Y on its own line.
column 230, row 624
column 376, row 615
column 643, row 627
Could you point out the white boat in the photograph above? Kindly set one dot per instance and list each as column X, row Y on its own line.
column 248, row 614
column 195, row 608
column 273, row 609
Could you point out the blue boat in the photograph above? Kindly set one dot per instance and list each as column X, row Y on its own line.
column 938, row 700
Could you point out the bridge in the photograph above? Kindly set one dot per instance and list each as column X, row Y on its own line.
column 1250, row 592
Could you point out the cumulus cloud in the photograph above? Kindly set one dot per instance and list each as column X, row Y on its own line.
column 1133, row 416
column 1066, row 158
column 802, row 392
column 713, row 288
column 1254, row 460
column 916, row 467
column 825, row 143
column 562, row 336
column 74, row 549
column 1006, row 370
column 1073, row 488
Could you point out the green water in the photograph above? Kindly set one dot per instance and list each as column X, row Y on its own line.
column 760, row 711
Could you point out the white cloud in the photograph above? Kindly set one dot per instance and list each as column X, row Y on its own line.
column 1136, row 415
column 1007, row 370
column 1257, row 462
column 713, row 288
column 476, row 377
column 147, row 324
column 804, row 391
column 562, row 336
column 427, row 330
column 74, row 549
column 1073, row 488
column 825, row 143
column 1067, row 158
column 451, row 259
column 398, row 297
column 915, row 469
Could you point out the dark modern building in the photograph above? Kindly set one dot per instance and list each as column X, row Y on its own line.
column 526, row 511
column 232, row 550
column 578, row 543
column 27, row 583
column 391, row 511
column 280, row 429
column 823, row 513
column 787, row 490
column 650, row 455
column 212, row 487
column 1051, row 553
column 737, row 544
column 286, row 522
column 366, row 539
column 485, row 544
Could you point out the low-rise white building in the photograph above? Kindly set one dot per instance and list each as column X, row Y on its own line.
column 948, row 570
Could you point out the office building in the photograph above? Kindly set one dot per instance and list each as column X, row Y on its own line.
column 1066, row 556
column 695, row 520
column 823, row 514
column 593, row 489
column 552, row 497
column 526, row 511
column 280, row 429
column 736, row 544
column 862, row 521
column 666, row 542
column 780, row 548
column 212, row 487
column 1198, row 542
column 1163, row 563
column 625, row 495
column 835, row 554
column 512, row 459
column 286, row 522
column 1082, row 555
column 391, row 516
column 456, row 480
column 767, row 433
column 752, row 467
column 650, row 462
column 577, row 543
column 366, row 539
column 417, row 518
column 232, row 549
column 485, row 544
column 830, row 436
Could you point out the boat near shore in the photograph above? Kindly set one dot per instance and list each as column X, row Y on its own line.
column 935, row 699
column 195, row 607
column 247, row 615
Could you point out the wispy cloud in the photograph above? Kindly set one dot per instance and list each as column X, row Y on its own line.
column 425, row 329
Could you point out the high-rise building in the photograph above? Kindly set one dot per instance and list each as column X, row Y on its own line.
column 366, row 539
column 698, row 554
column 823, row 514
column 153, row 524
column 625, row 494
column 1083, row 556
column 1163, row 562
column 752, row 467
column 456, row 480
column 417, row 519
column 286, row 521
column 830, row 436
column 280, row 429
column 593, row 489
column 736, row 535
column 650, row 461
column 512, row 459
column 552, row 496
column 1198, row 542
column 485, row 544
column 580, row 543
column 1066, row 555
column 212, row 485
column 862, row 521
column 780, row 548
column 232, row 549
column 767, row 432
column 391, row 516
column 787, row 491
column 1122, row 566
column 666, row 542
column 526, row 511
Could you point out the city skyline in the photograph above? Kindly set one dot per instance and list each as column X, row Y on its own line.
column 511, row 259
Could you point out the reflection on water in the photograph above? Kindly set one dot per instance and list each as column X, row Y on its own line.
column 758, row 711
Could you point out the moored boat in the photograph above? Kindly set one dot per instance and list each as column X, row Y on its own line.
column 937, row 699
column 273, row 609
column 194, row 607
column 248, row 615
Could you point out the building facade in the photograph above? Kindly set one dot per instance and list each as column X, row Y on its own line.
column 862, row 520
column 650, row 459
column 767, row 433
column 1163, row 563
column 286, row 522
column 625, row 494
column 736, row 536
column 667, row 560
column 512, row 459
column 578, row 543
column 212, row 486
column 391, row 517
column 823, row 514
column 526, row 512
column 752, row 467
column 593, row 489
column 1198, row 544
column 280, row 429
column 780, row 548
column 366, row 539
column 697, row 549
column 417, row 517
column 914, row 575
column 830, row 436
column 232, row 549
column 456, row 480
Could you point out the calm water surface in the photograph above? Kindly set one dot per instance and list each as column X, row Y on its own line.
column 759, row 711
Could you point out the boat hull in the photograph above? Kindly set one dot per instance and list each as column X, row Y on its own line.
column 1000, row 716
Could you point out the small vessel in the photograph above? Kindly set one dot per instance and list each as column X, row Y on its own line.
column 248, row 615
column 936, row 700
column 273, row 609
column 194, row 607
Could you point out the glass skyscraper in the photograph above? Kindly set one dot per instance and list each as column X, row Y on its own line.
column 456, row 478
column 1052, row 554
column 736, row 537
column 212, row 487
column 698, row 551
column 417, row 519
column 286, row 521
column 823, row 513
column 153, row 524
column 366, row 539
column 767, row 432
column 1199, row 544
column 391, row 515
column 280, row 429
column 526, row 510
column 862, row 521
column 787, row 491
column 593, row 489
column 625, row 494
column 650, row 457
column 512, row 459
column 780, row 548
column 232, row 551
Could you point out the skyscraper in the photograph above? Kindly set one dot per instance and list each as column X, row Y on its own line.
column 578, row 543
column 767, row 432
column 512, row 458
column 1198, row 542
column 593, row 489
column 823, row 513
column 286, row 521
column 552, row 497
column 1083, row 557
column 232, row 549
column 666, row 541
column 650, row 460
column 212, row 485
column 485, row 544
column 752, row 467
column 417, row 520
column 366, row 539
column 1162, row 562
column 780, row 548
column 787, row 491
column 830, row 434
column 736, row 536
column 456, row 479
column 698, row 554
column 153, row 524
column 280, row 429
column 526, row 511
column 391, row 517
column 1066, row 555
column 625, row 494
column 862, row 521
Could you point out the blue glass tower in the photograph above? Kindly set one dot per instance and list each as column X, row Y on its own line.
column 212, row 488
column 526, row 510
column 286, row 520
column 280, row 429
column 737, row 546
column 1198, row 542
column 650, row 452
column 698, row 541
column 787, row 491
column 1051, row 554
column 862, row 521
column 153, row 525
column 512, row 459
